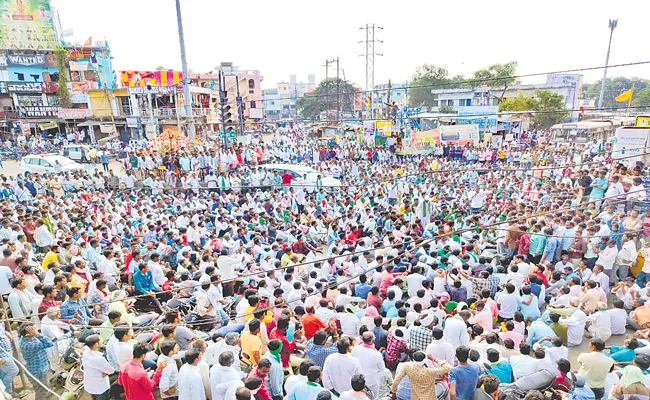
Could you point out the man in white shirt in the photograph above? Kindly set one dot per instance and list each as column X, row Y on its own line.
column 618, row 317
column 108, row 267
column 190, row 382
column 340, row 367
column 224, row 378
column 226, row 265
column 169, row 378
column 371, row 361
column 508, row 302
column 441, row 349
column 96, row 369
column 455, row 332
column 524, row 364
column 156, row 270
column 42, row 236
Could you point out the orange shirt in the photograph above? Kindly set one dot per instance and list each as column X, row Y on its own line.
column 311, row 325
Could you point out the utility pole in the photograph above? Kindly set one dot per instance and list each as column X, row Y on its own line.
column 612, row 26
column 186, row 77
column 370, row 55
column 388, row 107
column 223, row 101
column 240, row 109
column 338, row 88
column 338, row 93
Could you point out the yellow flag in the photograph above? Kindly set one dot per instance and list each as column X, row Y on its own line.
column 625, row 96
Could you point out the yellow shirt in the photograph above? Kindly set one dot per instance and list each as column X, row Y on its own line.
column 249, row 344
column 49, row 257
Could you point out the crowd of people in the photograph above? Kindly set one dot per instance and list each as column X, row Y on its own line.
column 195, row 274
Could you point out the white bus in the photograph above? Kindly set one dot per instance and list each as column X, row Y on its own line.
column 583, row 132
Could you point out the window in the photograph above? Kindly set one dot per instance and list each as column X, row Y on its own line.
column 253, row 104
column 251, row 84
column 44, row 163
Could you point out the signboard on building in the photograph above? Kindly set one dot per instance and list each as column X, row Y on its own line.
column 461, row 134
column 26, row 60
column 38, row 111
column 152, row 78
column 483, row 116
column 73, row 113
column 79, row 66
column 82, row 86
column 25, row 87
column 132, row 122
column 152, row 90
column 27, row 24
column 3, row 87
column 563, row 79
column 78, row 97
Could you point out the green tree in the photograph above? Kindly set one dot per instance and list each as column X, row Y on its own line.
column 497, row 76
column 445, row 109
column 641, row 98
column 324, row 98
column 519, row 103
column 548, row 106
column 426, row 78
column 550, row 109
column 62, row 91
column 613, row 87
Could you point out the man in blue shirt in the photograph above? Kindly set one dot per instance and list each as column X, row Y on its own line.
column 538, row 330
column 464, row 377
column 362, row 288
column 499, row 367
column 75, row 309
column 144, row 284
column 551, row 245
column 34, row 347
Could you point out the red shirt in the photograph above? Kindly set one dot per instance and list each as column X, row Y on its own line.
column 374, row 300
column 312, row 324
column 287, row 178
column 45, row 305
column 263, row 393
column 287, row 347
column 136, row 382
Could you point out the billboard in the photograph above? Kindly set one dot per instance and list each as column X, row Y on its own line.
column 152, row 78
column 27, row 25
column 642, row 122
column 383, row 128
column 461, row 134
column 629, row 142
column 483, row 116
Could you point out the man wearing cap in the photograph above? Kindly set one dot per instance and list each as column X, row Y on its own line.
column 421, row 336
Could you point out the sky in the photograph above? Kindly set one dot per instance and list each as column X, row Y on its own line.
column 286, row 37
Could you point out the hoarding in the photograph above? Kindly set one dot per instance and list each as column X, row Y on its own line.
column 483, row 116
column 629, row 142
column 461, row 134
column 26, row 60
column 384, row 128
column 27, row 25
column 643, row 122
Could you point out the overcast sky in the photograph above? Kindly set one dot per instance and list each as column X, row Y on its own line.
column 286, row 37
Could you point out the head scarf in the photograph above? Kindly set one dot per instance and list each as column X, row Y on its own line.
column 632, row 374
column 276, row 353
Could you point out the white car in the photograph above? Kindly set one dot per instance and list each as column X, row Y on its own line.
column 45, row 164
column 299, row 172
column 79, row 152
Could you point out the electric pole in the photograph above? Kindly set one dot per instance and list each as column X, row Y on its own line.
column 240, row 108
column 338, row 88
column 186, row 77
column 370, row 55
column 612, row 26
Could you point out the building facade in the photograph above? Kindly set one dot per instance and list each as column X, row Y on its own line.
column 280, row 102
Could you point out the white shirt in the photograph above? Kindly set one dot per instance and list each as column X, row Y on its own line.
column 414, row 282
column 5, row 276
column 575, row 327
column 43, row 237
column 108, row 268
column 372, row 365
column 350, row 324
column 157, row 273
column 601, row 325
column 523, row 365
column 618, row 318
column 220, row 375
column 509, row 303
column 226, row 267
column 169, row 377
column 95, row 366
column 190, row 383
column 442, row 350
column 123, row 352
column 337, row 371
column 291, row 381
column 456, row 332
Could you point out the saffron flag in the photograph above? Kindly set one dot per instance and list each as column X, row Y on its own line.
column 88, row 42
column 625, row 96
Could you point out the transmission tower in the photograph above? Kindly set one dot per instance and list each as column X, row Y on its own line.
column 370, row 55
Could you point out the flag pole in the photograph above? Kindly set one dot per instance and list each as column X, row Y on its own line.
column 629, row 101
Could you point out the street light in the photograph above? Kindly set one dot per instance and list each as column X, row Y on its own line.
column 612, row 26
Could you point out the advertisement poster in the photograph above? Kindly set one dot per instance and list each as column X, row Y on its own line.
column 27, row 25
column 628, row 142
column 384, row 128
column 483, row 116
column 461, row 134
column 423, row 142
